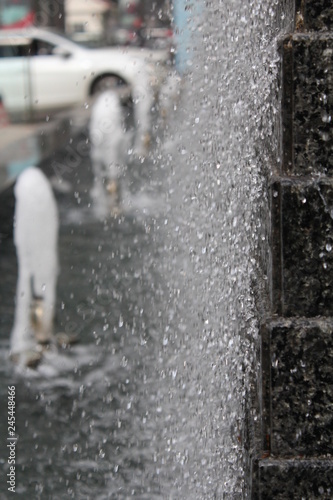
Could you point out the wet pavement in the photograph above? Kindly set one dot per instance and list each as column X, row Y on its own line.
column 89, row 420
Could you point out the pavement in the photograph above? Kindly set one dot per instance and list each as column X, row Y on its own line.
column 26, row 144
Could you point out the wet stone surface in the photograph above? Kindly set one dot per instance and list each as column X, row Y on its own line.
column 298, row 390
column 297, row 479
column 297, row 349
column 308, row 103
column 317, row 14
column 303, row 225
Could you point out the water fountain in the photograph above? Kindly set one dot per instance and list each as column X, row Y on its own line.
column 167, row 304
column 143, row 95
column 35, row 236
column 110, row 143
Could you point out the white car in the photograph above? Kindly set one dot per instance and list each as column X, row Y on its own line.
column 42, row 71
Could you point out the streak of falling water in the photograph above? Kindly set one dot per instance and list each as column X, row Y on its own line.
column 216, row 235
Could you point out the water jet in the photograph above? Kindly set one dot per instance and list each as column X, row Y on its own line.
column 36, row 239
column 109, row 145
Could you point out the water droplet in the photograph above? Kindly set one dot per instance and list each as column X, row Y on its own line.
column 325, row 117
column 325, row 136
column 328, row 247
column 323, row 98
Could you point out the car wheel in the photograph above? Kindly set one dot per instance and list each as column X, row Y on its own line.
column 108, row 82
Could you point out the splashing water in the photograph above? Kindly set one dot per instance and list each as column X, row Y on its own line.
column 153, row 403
column 215, row 234
column 36, row 233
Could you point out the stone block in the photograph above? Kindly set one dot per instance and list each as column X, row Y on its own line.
column 317, row 14
column 307, row 103
column 294, row 479
column 297, row 375
column 302, row 253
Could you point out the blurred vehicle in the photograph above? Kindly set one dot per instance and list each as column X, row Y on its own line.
column 42, row 71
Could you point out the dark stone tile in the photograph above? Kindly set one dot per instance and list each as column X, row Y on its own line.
column 298, row 387
column 307, row 103
column 294, row 480
column 317, row 14
column 302, row 228
column 296, row 393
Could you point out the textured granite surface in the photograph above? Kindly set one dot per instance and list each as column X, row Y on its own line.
column 302, row 225
column 294, row 480
column 317, row 14
column 298, row 386
column 296, row 391
column 307, row 107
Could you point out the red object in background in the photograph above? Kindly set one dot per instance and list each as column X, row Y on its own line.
column 28, row 20
column 137, row 23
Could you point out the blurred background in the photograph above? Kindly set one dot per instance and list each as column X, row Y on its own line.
column 95, row 22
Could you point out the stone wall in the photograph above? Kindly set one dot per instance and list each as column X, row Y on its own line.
column 297, row 345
